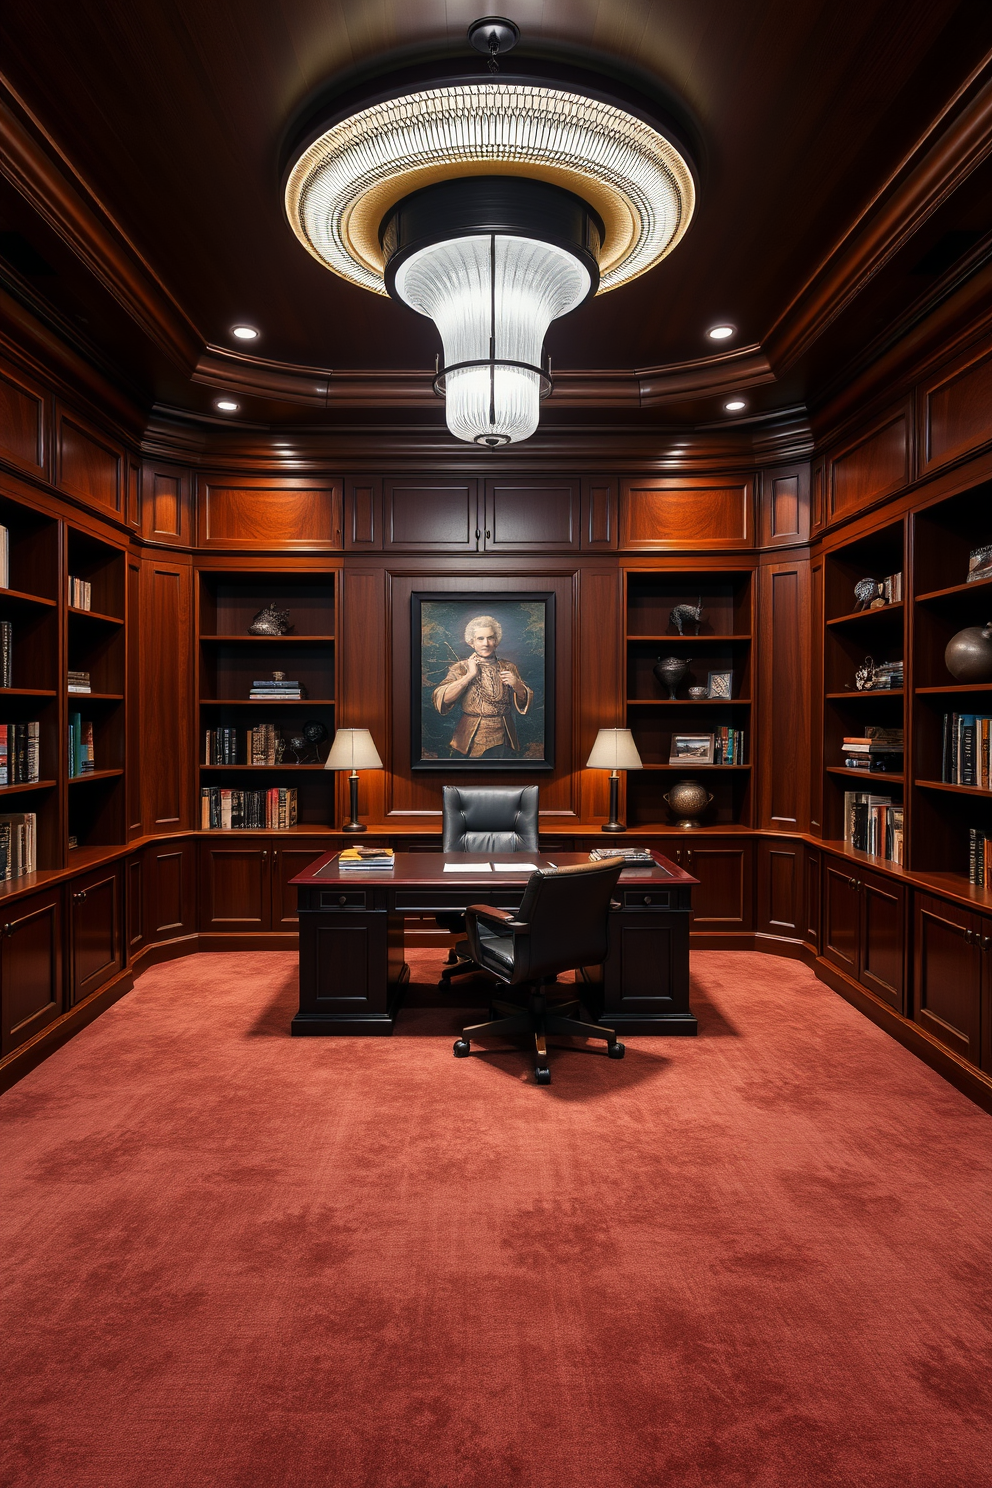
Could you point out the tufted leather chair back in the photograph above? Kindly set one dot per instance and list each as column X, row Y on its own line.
column 490, row 819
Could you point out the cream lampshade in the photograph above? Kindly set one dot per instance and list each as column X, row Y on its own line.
column 614, row 750
column 354, row 750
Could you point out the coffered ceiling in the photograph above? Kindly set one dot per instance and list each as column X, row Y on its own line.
column 838, row 146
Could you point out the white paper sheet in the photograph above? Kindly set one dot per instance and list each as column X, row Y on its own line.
column 514, row 867
column 466, row 868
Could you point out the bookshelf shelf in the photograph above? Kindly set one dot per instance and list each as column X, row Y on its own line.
column 954, row 688
column 95, row 697
column 255, row 769
column 688, row 702
column 269, row 703
column 953, row 591
column 688, row 765
column 958, row 790
column 890, row 778
column 76, row 614
column 89, row 775
column 20, row 597
column 28, row 692
column 26, row 785
column 284, row 640
column 860, row 697
column 677, row 640
column 859, row 617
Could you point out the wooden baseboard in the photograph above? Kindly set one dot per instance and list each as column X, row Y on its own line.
column 20, row 1062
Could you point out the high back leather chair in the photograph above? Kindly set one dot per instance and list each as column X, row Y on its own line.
column 483, row 819
column 562, row 924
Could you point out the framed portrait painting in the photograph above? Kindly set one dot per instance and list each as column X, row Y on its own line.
column 483, row 671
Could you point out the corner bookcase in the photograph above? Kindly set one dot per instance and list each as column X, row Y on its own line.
column 724, row 643
column 229, row 659
column 96, row 643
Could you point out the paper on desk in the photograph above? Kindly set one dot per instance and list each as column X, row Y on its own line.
column 466, row 868
column 514, row 867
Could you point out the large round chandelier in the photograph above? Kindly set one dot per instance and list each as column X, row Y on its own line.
column 492, row 208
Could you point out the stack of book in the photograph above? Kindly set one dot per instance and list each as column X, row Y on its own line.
column 262, row 741
column 728, row 747
column 82, row 756
column 366, row 859
column 979, row 858
column 4, row 558
column 873, row 824
column 18, row 844
column 6, row 654
column 892, row 588
column 222, row 747
column 278, row 690
column 19, row 753
column 227, row 810
column 79, row 682
column 629, row 854
column 965, row 753
column 877, row 749
column 80, row 593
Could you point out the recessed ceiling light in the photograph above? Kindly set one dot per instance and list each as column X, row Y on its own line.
column 735, row 405
column 227, row 405
column 721, row 332
column 244, row 332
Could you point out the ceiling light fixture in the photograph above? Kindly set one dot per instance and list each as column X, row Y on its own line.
column 721, row 332
column 244, row 333
column 226, row 405
column 491, row 207
column 734, row 405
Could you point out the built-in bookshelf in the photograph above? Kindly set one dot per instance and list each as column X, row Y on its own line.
column 230, row 660
column 96, row 646
column 723, row 644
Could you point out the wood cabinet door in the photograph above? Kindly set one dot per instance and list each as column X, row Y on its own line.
column 841, row 917
column 30, row 968
column 170, row 890
column 431, row 517
column 948, row 992
column 531, row 516
column 234, row 886
column 95, row 931
column 722, row 899
column 812, row 930
column 883, row 955
column 287, row 862
column 779, row 872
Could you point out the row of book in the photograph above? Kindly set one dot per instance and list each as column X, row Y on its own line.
column 964, row 758
column 4, row 558
column 227, row 810
column 892, row 588
column 277, row 689
column 262, row 745
column 79, row 682
column 80, row 593
column 6, row 654
column 20, row 753
column 979, row 858
column 366, row 859
column 728, row 746
column 82, row 754
column 878, row 749
column 874, row 824
column 18, row 844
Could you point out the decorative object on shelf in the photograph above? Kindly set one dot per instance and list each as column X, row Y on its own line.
column 482, row 679
column 314, row 732
column 979, row 564
column 866, row 590
column 614, row 750
column 670, row 671
column 298, row 745
column 720, row 684
column 270, row 621
column 699, row 694
column 968, row 656
column 864, row 677
column 280, row 750
column 687, row 800
column 685, row 614
column 277, row 688
column 692, row 749
column 352, row 749
column 888, row 676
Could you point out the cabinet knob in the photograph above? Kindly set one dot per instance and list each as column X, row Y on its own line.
column 688, row 855
column 342, row 898
column 80, row 896
column 648, row 899
column 488, row 533
column 8, row 930
column 478, row 533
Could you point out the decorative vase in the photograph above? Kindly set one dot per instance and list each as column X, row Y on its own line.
column 670, row 671
column 969, row 654
column 687, row 799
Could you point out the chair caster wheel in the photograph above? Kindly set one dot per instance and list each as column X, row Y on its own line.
column 542, row 1075
column 616, row 1051
column 460, row 1048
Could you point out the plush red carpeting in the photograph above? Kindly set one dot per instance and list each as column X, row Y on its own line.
column 236, row 1259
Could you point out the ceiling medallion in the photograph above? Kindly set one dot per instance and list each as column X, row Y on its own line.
column 491, row 207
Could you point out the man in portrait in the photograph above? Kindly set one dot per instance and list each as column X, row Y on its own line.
column 489, row 689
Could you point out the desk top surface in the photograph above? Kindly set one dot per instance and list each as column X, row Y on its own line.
column 428, row 868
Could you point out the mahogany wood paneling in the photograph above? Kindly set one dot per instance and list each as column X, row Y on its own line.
column 234, row 885
column 599, row 514
column 883, row 938
column 96, row 947
column 255, row 512
column 30, row 967
column 814, row 694
column 816, row 501
column 948, row 976
column 431, row 516
column 363, row 515
column 723, row 899
column 134, row 679
column 89, row 466
column 23, row 410
column 956, row 408
column 599, row 697
column 841, row 928
column 170, row 890
column 287, row 861
column 166, row 700
column 531, row 516
column 133, row 503
column 363, row 671
column 877, row 463
column 687, row 511
column 780, row 898
column 782, row 754
column 134, row 905
column 811, row 932
column 166, row 502
column 784, row 506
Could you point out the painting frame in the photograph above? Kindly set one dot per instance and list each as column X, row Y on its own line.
column 720, row 684
column 700, row 747
column 516, row 612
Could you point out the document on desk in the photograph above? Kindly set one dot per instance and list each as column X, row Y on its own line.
column 467, row 868
column 514, row 867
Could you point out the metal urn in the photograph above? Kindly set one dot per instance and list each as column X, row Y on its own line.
column 969, row 654
column 687, row 800
column 671, row 670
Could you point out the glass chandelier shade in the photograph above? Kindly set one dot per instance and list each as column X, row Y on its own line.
column 492, row 298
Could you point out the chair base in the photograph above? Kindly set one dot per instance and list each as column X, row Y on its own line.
column 538, row 1020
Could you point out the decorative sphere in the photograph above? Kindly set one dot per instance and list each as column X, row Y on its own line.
column 314, row 731
column 297, row 743
column 969, row 654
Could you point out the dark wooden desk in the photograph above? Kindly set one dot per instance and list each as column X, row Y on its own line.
column 352, row 969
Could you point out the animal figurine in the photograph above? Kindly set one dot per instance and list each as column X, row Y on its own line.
column 684, row 614
column 865, row 590
column 271, row 621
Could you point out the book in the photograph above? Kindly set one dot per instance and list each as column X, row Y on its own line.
column 4, row 558
column 79, row 682
column 227, row 809
column 80, row 593
column 629, row 854
column 6, row 654
column 18, row 844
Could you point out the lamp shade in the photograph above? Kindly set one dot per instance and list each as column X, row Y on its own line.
column 353, row 749
column 614, row 749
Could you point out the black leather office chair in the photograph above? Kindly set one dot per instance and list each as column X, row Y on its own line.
column 562, row 924
column 483, row 819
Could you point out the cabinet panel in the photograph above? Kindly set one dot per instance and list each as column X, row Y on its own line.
column 165, row 505
column 95, row 939
column 948, row 991
column 780, row 888
column 170, row 890
column 812, row 929
column 686, row 512
column 841, row 917
column 22, row 420
column 876, row 465
column 956, row 404
column 30, row 968
column 251, row 513
column 723, row 898
column 428, row 518
column 88, row 465
column 531, row 516
column 882, row 938
column 286, row 863
column 599, row 514
column 134, row 906
column 363, row 516
column 234, row 886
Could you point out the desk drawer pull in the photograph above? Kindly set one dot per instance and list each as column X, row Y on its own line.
column 653, row 899
column 334, row 899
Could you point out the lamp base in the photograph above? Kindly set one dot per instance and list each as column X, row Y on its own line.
column 354, row 827
column 615, row 827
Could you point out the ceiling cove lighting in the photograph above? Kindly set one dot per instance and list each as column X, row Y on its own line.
column 244, row 333
column 226, row 405
column 721, row 332
column 735, row 405
column 492, row 208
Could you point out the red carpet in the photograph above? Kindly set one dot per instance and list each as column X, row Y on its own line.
column 236, row 1259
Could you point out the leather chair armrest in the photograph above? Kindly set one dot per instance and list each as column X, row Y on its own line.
column 497, row 917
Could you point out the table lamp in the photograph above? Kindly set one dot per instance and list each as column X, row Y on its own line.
column 614, row 750
column 354, row 750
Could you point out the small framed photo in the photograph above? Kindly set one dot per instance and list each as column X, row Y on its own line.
column 979, row 564
column 719, row 684
column 692, row 749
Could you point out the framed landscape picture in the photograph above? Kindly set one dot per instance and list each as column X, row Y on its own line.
column 692, row 749
column 483, row 681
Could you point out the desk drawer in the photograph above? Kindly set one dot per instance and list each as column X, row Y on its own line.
column 342, row 899
column 429, row 901
column 647, row 898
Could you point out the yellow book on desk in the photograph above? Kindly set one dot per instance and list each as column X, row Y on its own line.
column 366, row 859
